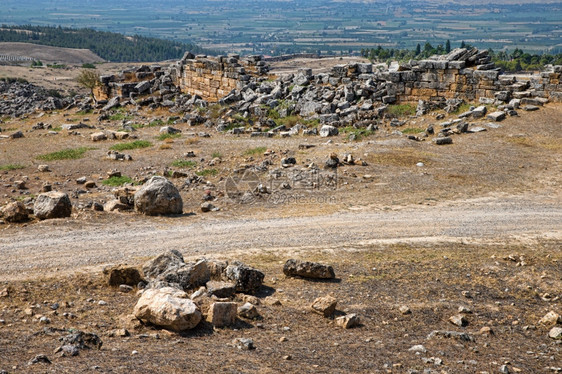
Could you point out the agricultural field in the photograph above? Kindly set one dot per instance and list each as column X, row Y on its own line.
column 280, row 27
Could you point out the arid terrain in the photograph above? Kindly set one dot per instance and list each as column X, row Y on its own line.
column 413, row 230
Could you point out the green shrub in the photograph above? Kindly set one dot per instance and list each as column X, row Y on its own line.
column 131, row 145
column 207, row 172
column 216, row 155
column 57, row 66
column 412, row 130
column 359, row 133
column 11, row 167
column 117, row 181
column 88, row 66
column 402, row 110
column 183, row 164
column 255, row 151
column 65, row 154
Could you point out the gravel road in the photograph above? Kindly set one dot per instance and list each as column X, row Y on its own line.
column 48, row 248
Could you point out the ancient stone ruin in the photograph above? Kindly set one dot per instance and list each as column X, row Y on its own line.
column 208, row 78
column 464, row 74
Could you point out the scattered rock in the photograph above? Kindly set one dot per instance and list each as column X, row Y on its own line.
column 328, row 130
column 39, row 359
column 168, row 308
column 52, row 205
column 450, row 334
column 164, row 262
column 123, row 275
column 531, row 108
column 443, row 140
column 207, row 207
column 221, row 289
column 496, row 116
column 308, row 269
column 418, row 348
column 43, row 168
column 169, row 130
column 555, row 333
column 325, row 306
column 98, row 136
column 158, row 196
column 458, row 320
column 405, row 309
column 76, row 341
column 125, row 288
column 249, row 311
column 348, row 321
column 247, row 279
column 244, row 344
column 116, row 205
column 16, row 135
column 550, row 319
column 486, row 330
column 14, row 212
column 222, row 314
column 272, row 301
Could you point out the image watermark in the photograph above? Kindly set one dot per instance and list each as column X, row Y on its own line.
column 282, row 186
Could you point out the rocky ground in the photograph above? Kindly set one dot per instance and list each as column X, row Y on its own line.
column 477, row 221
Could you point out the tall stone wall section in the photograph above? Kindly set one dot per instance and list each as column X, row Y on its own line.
column 214, row 78
column 208, row 78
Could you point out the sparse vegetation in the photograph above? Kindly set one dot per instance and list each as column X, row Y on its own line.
column 359, row 133
column 120, row 115
column 216, row 154
column 464, row 107
column 207, row 172
column 65, row 154
column 117, row 181
column 131, row 145
column 57, row 66
column 13, row 80
column 89, row 79
column 401, row 110
column 183, row 164
column 11, row 167
column 255, row 151
column 166, row 136
column 412, row 130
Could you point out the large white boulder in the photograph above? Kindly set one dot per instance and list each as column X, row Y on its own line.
column 168, row 308
column 52, row 205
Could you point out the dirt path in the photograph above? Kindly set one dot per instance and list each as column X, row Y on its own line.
column 54, row 247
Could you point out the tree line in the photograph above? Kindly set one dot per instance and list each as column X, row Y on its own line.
column 514, row 61
column 109, row 46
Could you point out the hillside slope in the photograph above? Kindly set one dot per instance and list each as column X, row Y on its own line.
column 48, row 54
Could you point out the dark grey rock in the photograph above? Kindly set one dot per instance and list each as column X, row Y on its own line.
column 308, row 269
column 443, row 140
column 247, row 279
column 164, row 262
column 221, row 289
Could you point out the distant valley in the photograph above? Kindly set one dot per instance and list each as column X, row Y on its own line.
column 328, row 27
